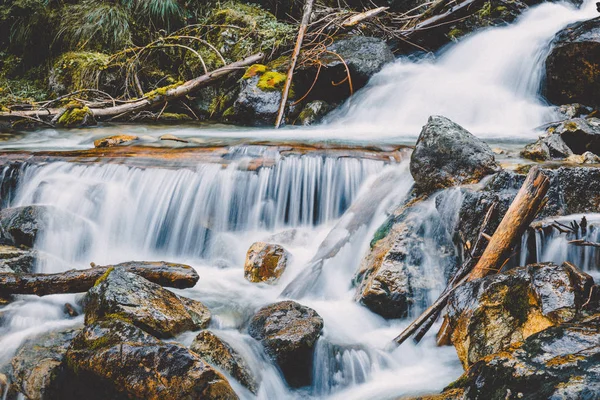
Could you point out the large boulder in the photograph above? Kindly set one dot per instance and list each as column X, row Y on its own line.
column 19, row 226
column 390, row 280
column 488, row 315
column 265, row 262
column 447, row 155
column 115, row 359
column 561, row 362
column 38, row 368
column 121, row 294
column 218, row 353
column 288, row 331
column 573, row 65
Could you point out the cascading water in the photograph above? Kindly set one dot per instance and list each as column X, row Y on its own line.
column 208, row 216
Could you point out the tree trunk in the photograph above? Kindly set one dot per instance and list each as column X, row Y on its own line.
column 76, row 281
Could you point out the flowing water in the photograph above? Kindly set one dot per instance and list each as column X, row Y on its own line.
column 207, row 216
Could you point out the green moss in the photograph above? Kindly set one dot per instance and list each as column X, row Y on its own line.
column 459, row 383
column 74, row 117
column 79, row 70
column 101, row 342
column 271, row 80
column 500, row 9
column 382, row 231
column 486, row 10
column 162, row 91
column 571, row 126
column 253, row 70
column 174, row 117
column 104, row 276
column 455, row 33
column 229, row 112
column 119, row 316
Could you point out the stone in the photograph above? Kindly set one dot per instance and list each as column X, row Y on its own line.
column 390, row 281
column 585, row 158
column 117, row 360
column 19, row 226
column 265, row 262
column 488, row 315
column 560, row 362
column 580, row 135
column 573, row 65
column 537, row 151
column 123, row 295
column 218, row 353
column 39, row 370
column 288, row 332
column 257, row 104
column 14, row 259
column 574, row 110
column 448, row 155
column 313, row 112
column 550, row 145
column 114, row 140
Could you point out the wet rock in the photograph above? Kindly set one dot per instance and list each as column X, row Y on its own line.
column 39, row 370
column 573, row 65
column 19, row 226
column 288, row 331
column 580, row 134
column 114, row 140
column 551, row 145
column 560, row 362
column 574, row 110
column 488, row 315
column 585, row 158
column 390, row 281
column 313, row 112
column 115, row 359
column 218, row 353
column 448, row 155
column 14, row 259
column 265, row 262
column 537, row 151
column 259, row 97
column 123, row 295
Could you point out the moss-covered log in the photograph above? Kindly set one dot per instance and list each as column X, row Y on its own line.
column 76, row 281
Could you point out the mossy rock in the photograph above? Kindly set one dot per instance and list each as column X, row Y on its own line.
column 76, row 117
column 77, row 70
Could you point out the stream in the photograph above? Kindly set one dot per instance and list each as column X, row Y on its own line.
column 207, row 215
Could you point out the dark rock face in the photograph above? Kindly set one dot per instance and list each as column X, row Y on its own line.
column 114, row 359
column 39, row 371
column 127, row 296
column 488, row 315
column 288, row 331
column 447, row 155
column 218, row 353
column 560, row 362
column 265, row 262
column 580, row 134
column 573, row 66
column 389, row 281
column 14, row 259
column 255, row 105
column 19, row 226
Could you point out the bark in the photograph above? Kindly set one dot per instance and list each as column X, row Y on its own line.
column 145, row 103
column 357, row 19
column 76, row 281
column 288, row 81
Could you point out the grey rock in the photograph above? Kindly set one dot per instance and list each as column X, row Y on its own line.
column 313, row 112
column 14, row 259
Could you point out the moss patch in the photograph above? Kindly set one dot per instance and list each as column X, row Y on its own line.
column 253, row 70
column 162, row 91
column 74, row 117
column 104, row 276
column 271, row 81
column 78, row 70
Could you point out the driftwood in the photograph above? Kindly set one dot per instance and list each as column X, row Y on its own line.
column 522, row 211
column 358, row 18
column 288, row 81
column 77, row 281
column 148, row 102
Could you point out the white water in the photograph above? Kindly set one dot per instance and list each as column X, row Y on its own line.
column 208, row 217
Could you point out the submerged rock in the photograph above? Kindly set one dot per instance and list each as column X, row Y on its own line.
column 585, row 158
column 560, row 362
column 39, row 370
column 123, row 295
column 218, row 353
column 115, row 359
column 573, row 65
column 114, row 140
column 390, row 280
column 448, row 155
column 265, row 262
column 488, row 315
column 288, row 331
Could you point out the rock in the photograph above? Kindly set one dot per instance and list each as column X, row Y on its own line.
column 120, row 294
column 574, row 110
column 174, row 138
column 115, row 140
column 313, row 112
column 579, row 135
column 288, row 331
column 585, row 158
column 115, row 359
column 39, row 371
column 550, row 145
column 488, row 315
column 19, row 226
column 17, row 260
column 573, row 65
column 447, row 155
column 390, row 278
column 265, row 262
column 218, row 353
column 560, row 362
column 537, row 151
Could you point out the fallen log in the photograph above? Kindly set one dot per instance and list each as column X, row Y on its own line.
column 288, row 80
column 155, row 99
column 525, row 206
column 77, row 281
